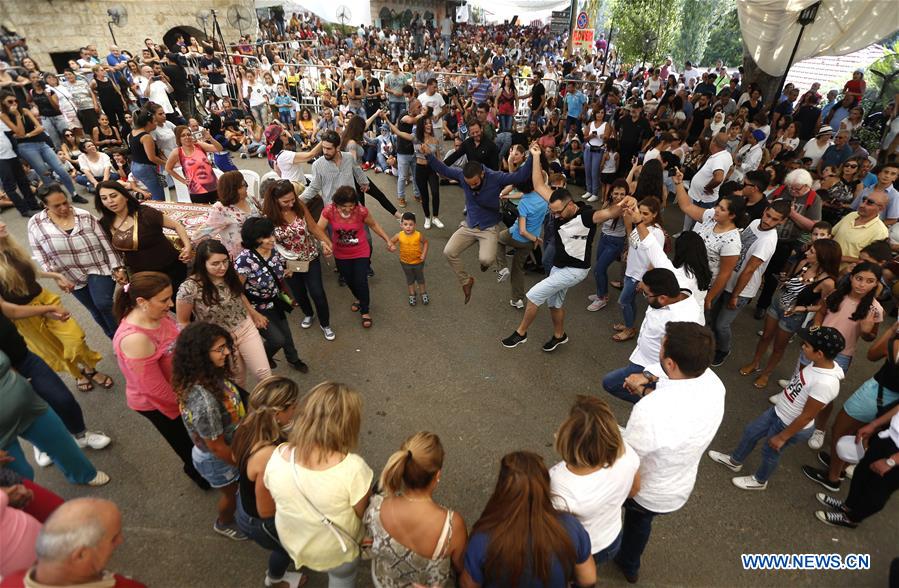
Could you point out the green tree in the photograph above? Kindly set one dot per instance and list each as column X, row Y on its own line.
column 725, row 42
column 699, row 19
column 646, row 30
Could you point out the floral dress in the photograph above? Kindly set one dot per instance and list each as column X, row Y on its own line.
column 261, row 285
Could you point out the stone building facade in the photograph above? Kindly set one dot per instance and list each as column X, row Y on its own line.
column 55, row 29
column 390, row 12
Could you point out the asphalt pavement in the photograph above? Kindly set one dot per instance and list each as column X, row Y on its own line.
column 442, row 368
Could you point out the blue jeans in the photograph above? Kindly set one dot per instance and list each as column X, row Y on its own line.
column 634, row 535
column 613, row 382
column 82, row 179
column 405, row 164
column 309, row 284
column 16, row 185
column 45, row 162
column 627, row 302
column 722, row 318
column 344, row 575
column 48, row 385
column 505, row 122
column 592, row 160
column 96, row 296
column 263, row 532
column 396, row 110
column 604, row 555
column 609, row 250
column 766, row 426
column 147, row 174
column 49, row 435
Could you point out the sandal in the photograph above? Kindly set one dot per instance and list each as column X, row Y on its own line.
column 355, row 307
column 619, row 327
column 366, row 322
column 104, row 381
column 761, row 382
column 84, row 384
column 615, row 284
column 748, row 369
column 625, row 335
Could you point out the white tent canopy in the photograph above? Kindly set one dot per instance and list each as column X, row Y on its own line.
column 770, row 28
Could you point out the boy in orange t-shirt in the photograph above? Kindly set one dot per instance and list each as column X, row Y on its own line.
column 413, row 248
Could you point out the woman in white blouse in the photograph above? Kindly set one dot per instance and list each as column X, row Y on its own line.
column 95, row 166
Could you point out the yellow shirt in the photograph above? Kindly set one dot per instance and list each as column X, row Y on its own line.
column 853, row 238
column 333, row 491
column 410, row 247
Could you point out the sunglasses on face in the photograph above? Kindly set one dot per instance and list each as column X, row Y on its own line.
column 867, row 200
column 851, row 166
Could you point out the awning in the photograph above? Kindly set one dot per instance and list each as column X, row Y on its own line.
column 769, row 28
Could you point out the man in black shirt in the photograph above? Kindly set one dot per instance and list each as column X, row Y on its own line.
column 537, row 98
column 808, row 118
column 633, row 132
column 405, row 151
column 213, row 67
column 477, row 148
column 374, row 97
column 702, row 116
column 183, row 91
column 754, row 185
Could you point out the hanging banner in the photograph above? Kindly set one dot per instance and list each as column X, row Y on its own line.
column 582, row 35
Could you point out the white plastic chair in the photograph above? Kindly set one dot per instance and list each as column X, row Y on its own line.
column 268, row 176
column 181, row 192
column 253, row 182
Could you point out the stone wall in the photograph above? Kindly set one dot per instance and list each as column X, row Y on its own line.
column 437, row 7
column 52, row 26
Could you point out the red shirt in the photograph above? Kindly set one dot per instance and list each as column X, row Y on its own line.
column 348, row 234
column 17, row 580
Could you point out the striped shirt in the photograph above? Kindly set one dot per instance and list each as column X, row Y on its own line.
column 328, row 176
column 84, row 251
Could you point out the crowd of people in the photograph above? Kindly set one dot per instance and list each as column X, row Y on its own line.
column 781, row 205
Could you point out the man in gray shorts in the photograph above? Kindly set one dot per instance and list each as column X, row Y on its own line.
column 575, row 225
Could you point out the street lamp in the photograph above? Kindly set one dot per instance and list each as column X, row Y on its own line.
column 806, row 17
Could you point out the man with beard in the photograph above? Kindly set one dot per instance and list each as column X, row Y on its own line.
column 333, row 170
column 666, row 303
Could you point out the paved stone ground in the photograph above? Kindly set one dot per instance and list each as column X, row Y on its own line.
column 442, row 368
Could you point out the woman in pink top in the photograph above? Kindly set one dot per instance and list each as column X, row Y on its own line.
column 349, row 222
column 198, row 173
column 20, row 531
column 143, row 344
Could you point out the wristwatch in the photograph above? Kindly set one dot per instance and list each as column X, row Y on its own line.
column 891, row 462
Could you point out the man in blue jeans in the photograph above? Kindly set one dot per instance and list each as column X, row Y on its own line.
column 758, row 243
column 670, row 428
column 667, row 303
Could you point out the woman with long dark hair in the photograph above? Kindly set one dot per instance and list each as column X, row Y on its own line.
column 33, row 144
column 805, row 286
column 506, row 100
column 521, row 538
column 214, row 293
column 211, row 408
column 352, row 141
column 269, row 417
column 135, row 231
column 144, row 345
column 611, row 244
column 296, row 239
column 649, row 182
column 145, row 157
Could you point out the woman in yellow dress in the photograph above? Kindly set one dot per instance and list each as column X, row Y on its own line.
column 60, row 343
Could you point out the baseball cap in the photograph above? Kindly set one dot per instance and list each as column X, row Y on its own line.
column 824, row 131
column 825, row 339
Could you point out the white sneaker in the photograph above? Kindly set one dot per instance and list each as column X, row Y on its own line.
column 41, row 458
column 850, row 470
column 749, row 483
column 502, row 275
column 101, row 479
column 93, row 439
column 293, row 579
column 307, row 322
column 592, row 297
column 597, row 304
column 593, row 198
column 427, row 223
column 587, row 196
column 816, row 441
column 329, row 333
column 725, row 460
column 774, row 398
column 437, row 222
column 519, row 304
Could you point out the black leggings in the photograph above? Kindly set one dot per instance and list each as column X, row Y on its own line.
column 355, row 274
column 309, row 284
column 375, row 192
column 115, row 112
column 424, row 177
column 174, row 433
